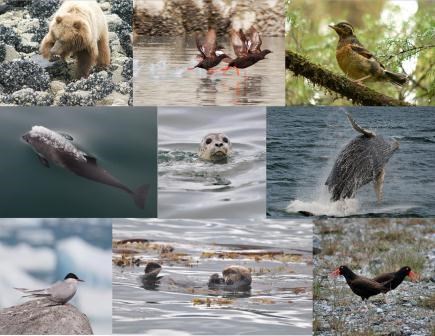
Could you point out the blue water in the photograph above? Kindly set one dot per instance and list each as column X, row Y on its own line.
column 303, row 144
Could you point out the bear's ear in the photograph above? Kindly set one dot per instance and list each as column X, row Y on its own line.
column 58, row 19
column 77, row 24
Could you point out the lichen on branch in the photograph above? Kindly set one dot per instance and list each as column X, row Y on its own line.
column 357, row 93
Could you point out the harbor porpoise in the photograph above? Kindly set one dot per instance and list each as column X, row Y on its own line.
column 58, row 148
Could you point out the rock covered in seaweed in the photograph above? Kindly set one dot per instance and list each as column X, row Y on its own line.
column 23, row 26
column 16, row 74
column 170, row 17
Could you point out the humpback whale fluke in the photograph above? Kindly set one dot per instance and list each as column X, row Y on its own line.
column 360, row 162
column 57, row 148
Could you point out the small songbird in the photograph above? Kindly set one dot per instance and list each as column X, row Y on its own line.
column 59, row 293
column 357, row 62
column 209, row 55
column 247, row 48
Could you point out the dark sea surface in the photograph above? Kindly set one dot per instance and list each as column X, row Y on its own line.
column 279, row 302
column 302, row 146
column 161, row 75
column 123, row 140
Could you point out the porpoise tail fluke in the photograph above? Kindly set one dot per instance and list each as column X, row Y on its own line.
column 140, row 195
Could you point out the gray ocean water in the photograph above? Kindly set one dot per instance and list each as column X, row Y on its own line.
column 122, row 139
column 303, row 144
column 161, row 75
column 192, row 188
column 279, row 303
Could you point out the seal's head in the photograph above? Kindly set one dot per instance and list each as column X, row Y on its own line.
column 215, row 280
column 215, row 147
column 152, row 270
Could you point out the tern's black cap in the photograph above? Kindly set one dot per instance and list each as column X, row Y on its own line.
column 72, row 276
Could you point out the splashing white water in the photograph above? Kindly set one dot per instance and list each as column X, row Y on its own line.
column 323, row 206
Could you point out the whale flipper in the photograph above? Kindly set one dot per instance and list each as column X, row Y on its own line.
column 358, row 128
column 91, row 159
column 140, row 194
column 44, row 161
column 379, row 185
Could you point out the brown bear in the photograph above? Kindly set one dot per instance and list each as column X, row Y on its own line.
column 78, row 28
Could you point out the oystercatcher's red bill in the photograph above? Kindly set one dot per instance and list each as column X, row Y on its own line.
column 336, row 273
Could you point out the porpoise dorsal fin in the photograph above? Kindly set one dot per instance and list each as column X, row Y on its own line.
column 90, row 159
column 358, row 128
column 67, row 136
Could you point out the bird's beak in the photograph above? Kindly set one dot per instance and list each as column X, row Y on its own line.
column 413, row 276
column 335, row 273
column 333, row 27
column 81, row 280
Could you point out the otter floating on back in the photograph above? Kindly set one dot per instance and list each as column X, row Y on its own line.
column 235, row 278
column 360, row 162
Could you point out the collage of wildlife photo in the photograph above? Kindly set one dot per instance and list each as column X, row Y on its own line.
column 217, row 167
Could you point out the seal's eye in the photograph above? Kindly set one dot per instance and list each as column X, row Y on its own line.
column 225, row 139
column 208, row 141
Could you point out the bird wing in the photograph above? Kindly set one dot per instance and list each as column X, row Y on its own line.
column 366, row 287
column 239, row 44
column 209, row 44
column 199, row 45
column 254, row 40
column 383, row 277
column 361, row 50
column 34, row 293
column 31, row 291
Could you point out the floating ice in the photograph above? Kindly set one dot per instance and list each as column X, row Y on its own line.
column 91, row 264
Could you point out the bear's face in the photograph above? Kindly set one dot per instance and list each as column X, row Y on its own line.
column 71, row 34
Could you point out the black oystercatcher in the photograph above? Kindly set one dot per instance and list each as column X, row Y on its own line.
column 394, row 279
column 361, row 286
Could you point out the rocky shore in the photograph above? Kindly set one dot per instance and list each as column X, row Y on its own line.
column 178, row 17
column 28, row 79
column 370, row 247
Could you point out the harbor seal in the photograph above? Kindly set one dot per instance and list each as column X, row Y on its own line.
column 360, row 162
column 215, row 147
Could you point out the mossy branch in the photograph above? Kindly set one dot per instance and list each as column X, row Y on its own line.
column 358, row 94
